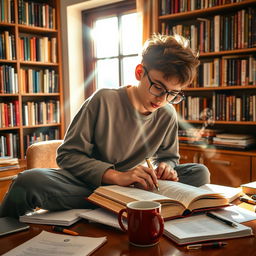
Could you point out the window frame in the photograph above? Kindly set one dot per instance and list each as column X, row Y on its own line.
column 88, row 18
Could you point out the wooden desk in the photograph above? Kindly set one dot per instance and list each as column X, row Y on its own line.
column 118, row 245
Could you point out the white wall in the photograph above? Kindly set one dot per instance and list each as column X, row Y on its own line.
column 72, row 52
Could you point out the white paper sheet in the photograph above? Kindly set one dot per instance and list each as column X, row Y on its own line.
column 47, row 244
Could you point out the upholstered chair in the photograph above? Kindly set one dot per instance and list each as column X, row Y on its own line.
column 43, row 154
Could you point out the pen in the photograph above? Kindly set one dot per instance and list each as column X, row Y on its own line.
column 247, row 200
column 151, row 167
column 206, row 245
column 228, row 222
column 64, row 230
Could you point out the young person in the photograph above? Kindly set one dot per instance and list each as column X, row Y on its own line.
column 112, row 134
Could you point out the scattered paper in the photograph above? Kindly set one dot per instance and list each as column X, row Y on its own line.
column 47, row 244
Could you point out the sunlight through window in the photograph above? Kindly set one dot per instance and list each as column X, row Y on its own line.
column 117, row 44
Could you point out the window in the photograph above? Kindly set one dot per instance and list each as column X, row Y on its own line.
column 115, row 40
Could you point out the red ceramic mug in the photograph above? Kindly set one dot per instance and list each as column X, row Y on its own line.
column 144, row 221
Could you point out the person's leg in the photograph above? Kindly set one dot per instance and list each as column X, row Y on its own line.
column 193, row 174
column 49, row 189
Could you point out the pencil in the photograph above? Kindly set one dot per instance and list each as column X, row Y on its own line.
column 151, row 167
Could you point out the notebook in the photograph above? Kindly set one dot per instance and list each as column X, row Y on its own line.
column 200, row 228
column 10, row 225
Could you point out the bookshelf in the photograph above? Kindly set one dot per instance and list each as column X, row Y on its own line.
column 223, row 96
column 31, row 92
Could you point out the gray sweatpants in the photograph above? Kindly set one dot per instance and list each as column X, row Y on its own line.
column 57, row 189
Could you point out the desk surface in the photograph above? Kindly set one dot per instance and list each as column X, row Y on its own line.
column 117, row 242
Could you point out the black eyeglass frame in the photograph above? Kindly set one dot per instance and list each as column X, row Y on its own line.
column 172, row 93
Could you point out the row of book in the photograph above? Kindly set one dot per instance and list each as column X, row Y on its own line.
column 36, row 14
column 48, row 134
column 39, row 81
column 219, row 107
column 8, row 79
column 7, row 11
column 218, row 33
column 9, row 145
column 10, row 142
column 41, row 112
column 9, row 114
column 177, row 6
column 226, row 71
column 43, row 49
column 7, row 46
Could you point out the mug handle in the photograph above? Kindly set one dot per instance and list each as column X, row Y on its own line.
column 120, row 219
column 161, row 224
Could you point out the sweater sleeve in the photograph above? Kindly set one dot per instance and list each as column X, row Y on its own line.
column 168, row 152
column 77, row 153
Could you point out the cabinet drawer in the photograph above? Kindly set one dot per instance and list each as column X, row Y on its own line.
column 227, row 169
column 188, row 156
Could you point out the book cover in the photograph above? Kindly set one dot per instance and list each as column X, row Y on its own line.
column 10, row 225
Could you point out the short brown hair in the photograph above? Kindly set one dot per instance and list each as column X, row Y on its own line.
column 171, row 55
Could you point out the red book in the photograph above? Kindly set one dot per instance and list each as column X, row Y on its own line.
column 17, row 112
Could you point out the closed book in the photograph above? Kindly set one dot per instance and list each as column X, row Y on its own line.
column 10, row 225
column 249, row 188
column 177, row 199
column 63, row 218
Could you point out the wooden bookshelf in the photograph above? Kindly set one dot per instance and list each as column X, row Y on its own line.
column 35, row 47
column 224, row 33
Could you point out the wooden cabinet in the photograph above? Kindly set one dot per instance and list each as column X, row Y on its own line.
column 226, row 168
column 6, row 177
column 254, row 168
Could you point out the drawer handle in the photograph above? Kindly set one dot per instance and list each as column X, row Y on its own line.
column 184, row 157
column 220, row 162
column 8, row 178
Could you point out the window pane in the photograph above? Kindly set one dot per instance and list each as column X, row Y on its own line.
column 105, row 35
column 130, row 34
column 107, row 73
column 128, row 65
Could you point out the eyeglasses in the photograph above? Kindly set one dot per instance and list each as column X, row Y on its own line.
column 173, row 97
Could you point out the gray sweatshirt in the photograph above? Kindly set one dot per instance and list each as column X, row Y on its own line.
column 108, row 132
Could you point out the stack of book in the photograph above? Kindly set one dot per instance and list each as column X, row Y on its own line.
column 197, row 136
column 7, row 163
column 234, row 141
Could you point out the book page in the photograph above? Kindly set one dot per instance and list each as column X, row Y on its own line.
column 182, row 192
column 202, row 228
column 135, row 193
column 47, row 244
column 102, row 216
column 230, row 193
column 236, row 213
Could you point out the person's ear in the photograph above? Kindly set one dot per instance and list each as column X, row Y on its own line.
column 139, row 72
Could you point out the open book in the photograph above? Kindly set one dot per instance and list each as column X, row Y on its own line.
column 176, row 198
column 199, row 228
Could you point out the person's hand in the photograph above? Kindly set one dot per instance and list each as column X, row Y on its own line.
column 166, row 172
column 140, row 176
